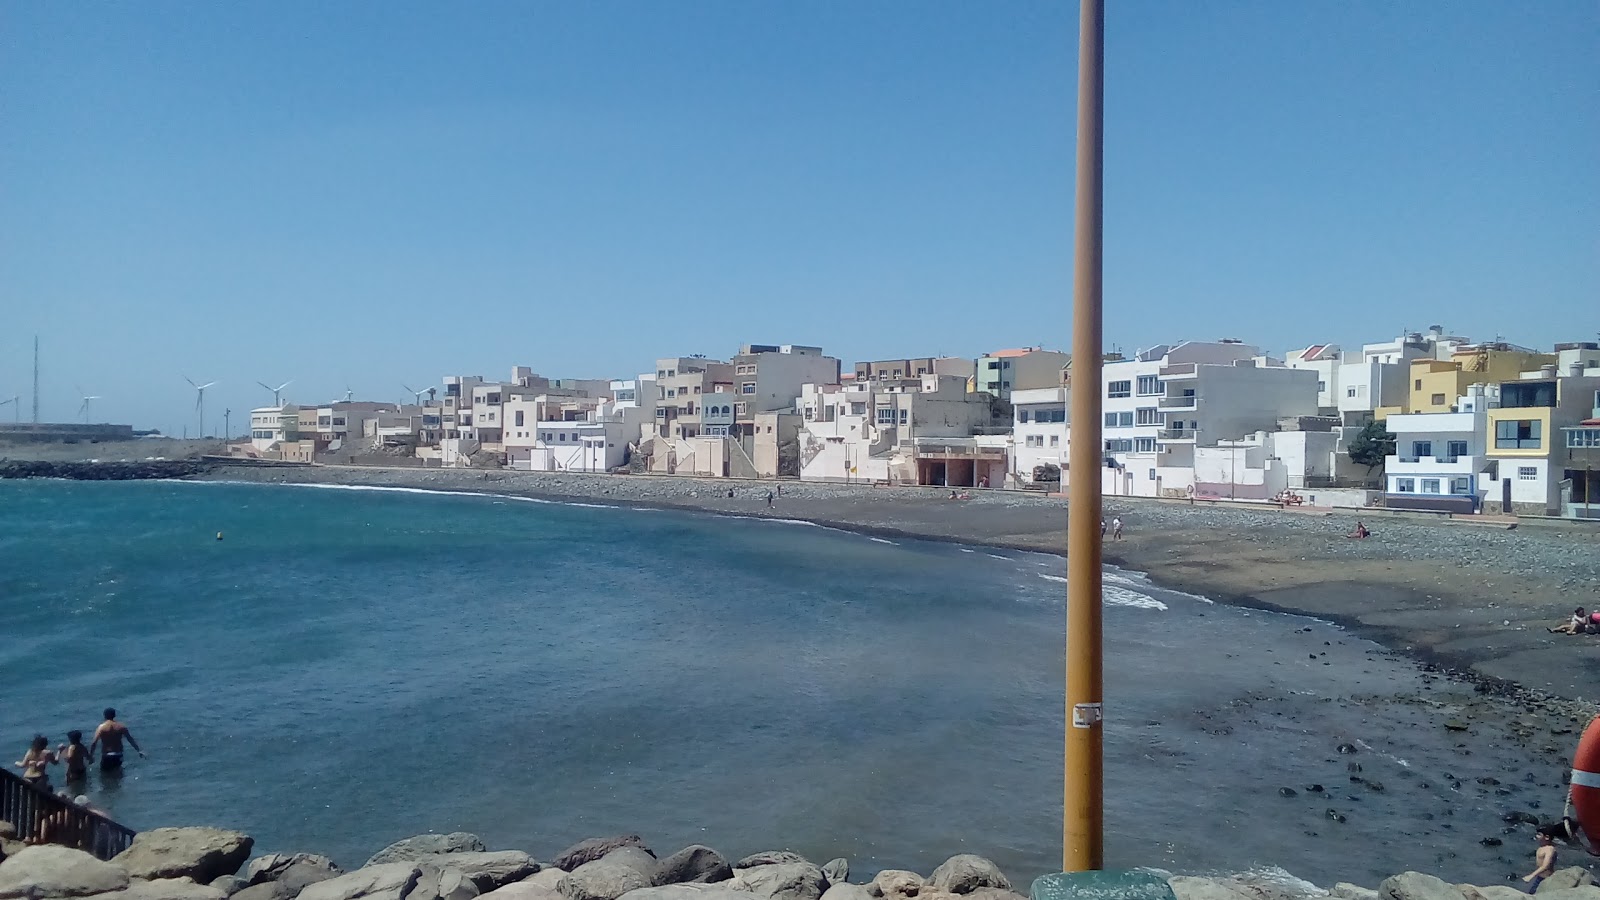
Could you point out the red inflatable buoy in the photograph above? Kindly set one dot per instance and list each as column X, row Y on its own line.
column 1586, row 781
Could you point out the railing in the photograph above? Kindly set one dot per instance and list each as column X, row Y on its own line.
column 42, row 816
column 1177, row 434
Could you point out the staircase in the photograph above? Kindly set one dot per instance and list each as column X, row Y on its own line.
column 42, row 816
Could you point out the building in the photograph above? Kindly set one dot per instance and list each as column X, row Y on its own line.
column 769, row 378
column 680, row 382
column 1302, row 457
column 1582, row 465
column 1439, row 459
column 1026, row 368
column 887, row 369
column 1039, row 435
column 1434, row 384
column 270, row 425
column 928, row 430
column 457, row 406
column 1526, row 438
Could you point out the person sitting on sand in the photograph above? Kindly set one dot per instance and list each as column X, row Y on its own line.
column 1574, row 625
column 1361, row 532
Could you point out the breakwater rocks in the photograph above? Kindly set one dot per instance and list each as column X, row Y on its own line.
column 105, row 471
column 215, row 864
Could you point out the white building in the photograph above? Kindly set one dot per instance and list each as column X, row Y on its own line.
column 1439, row 459
column 1039, row 433
column 926, row 430
column 271, row 424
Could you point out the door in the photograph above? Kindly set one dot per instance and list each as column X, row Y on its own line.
column 1505, row 495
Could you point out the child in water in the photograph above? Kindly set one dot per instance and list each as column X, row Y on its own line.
column 76, row 756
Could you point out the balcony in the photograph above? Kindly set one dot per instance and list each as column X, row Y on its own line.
column 1188, row 401
column 1182, row 370
column 1463, row 464
column 1177, row 435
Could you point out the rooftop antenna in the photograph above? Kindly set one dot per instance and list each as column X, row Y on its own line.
column 277, row 392
column 200, row 402
column 84, row 409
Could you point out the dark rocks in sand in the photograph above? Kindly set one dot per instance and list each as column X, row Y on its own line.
column 966, row 872
column 1348, row 748
column 203, row 854
column 1352, row 767
column 1288, row 792
column 587, row 851
column 1455, row 725
column 1335, row 815
column 428, row 845
column 1491, row 842
column 695, row 864
column 1315, row 788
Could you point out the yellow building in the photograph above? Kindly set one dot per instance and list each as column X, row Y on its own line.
column 1435, row 384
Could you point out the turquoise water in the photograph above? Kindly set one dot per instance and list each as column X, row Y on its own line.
column 350, row 667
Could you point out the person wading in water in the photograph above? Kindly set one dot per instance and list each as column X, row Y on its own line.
column 112, row 733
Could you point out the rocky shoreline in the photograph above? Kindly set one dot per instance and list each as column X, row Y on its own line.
column 215, row 864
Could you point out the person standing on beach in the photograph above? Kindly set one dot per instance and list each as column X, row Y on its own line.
column 1116, row 529
column 112, row 733
column 1544, row 860
column 77, row 757
column 769, row 499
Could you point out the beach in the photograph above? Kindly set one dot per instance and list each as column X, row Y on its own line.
column 1476, row 598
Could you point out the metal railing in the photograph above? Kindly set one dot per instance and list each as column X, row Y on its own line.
column 44, row 817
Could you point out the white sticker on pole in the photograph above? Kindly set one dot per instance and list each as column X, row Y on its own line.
column 1086, row 715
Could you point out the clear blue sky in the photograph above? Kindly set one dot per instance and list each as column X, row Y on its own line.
column 375, row 193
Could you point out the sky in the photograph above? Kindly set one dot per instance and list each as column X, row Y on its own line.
column 368, row 194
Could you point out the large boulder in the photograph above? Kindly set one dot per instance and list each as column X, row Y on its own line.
column 1587, row 892
column 695, row 864
column 1344, row 890
column 965, row 873
column 846, row 891
column 229, row 884
column 688, row 891
column 525, row 890
column 202, row 854
column 587, row 851
column 770, row 858
column 308, row 867
column 392, row 881
column 50, row 871
column 1486, row 892
column 165, row 889
column 1562, row 879
column 1190, row 887
column 620, row 871
column 836, row 871
column 488, row 869
column 546, row 878
column 895, row 884
column 988, row 893
column 782, row 881
column 422, row 845
column 1418, row 886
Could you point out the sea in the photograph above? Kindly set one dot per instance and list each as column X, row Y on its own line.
column 331, row 669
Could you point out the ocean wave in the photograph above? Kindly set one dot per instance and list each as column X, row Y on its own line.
column 1112, row 595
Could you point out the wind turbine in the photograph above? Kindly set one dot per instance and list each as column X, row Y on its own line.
column 200, row 401
column 348, row 393
column 277, row 392
column 416, row 395
column 84, row 409
column 17, row 409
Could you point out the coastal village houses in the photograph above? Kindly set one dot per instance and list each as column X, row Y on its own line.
column 1478, row 427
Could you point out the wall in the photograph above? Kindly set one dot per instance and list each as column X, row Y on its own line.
column 1239, row 400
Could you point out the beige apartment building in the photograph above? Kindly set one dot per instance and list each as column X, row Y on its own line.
column 681, row 385
column 769, row 378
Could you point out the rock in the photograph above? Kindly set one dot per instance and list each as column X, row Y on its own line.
column 1455, row 725
column 203, row 854
column 1492, row 892
column 1570, row 877
column 782, row 881
column 1344, row 890
column 526, row 890
column 1417, row 886
column 990, row 894
column 545, row 878
column 846, row 891
column 770, row 858
column 8, row 831
column 1288, row 792
column 487, row 869
column 688, row 891
column 391, row 881
column 165, row 889
column 51, row 871
column 896, row 884
column 422, row 845
column 1188, row 887
column 1491, row 842
column 605, row 879
column 1348, row 748
column 1315, row 788
column 837, row 871
column 595, row 848
column 229, row 884
column 303, row 867
column 1587, row 892
column 695, row 864
column 965, row 873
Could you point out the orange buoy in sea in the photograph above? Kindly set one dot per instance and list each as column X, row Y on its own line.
column 1585, row 792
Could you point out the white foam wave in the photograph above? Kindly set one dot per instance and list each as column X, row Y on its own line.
column 879, row 540
column 1112, row 595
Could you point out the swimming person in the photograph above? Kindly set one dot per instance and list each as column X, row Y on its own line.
column 76, row 756
column 35, row 763
column 112, row 733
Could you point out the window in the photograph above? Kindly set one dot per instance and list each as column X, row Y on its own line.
column 1583, row 437
column 886, row 416
column 518, row 416
column 545, row 436
column 1125, row 420
column 1438, row 399
column 905, row 416
column 1405, row 485
column 672, row 392
column 1430, row 485
column 1005, row 364
column 1460, row 485
column 749, row 387
column 1527, row 473
column 1149, row 415
column 1418, row 385
column 1149, row 385
column 1055, row 440
column 1518, row 434
column 1034, row 440
column 697, row 390
column 1322, row 386
column 1058, row 415
column 1111, row 420
column 1005, row 385
column 1022, row 416
column 1457, row 448
column 1144, row 445
column 1421, row 448
column 1119, row 389
column 1119, row 446
column 1350, row 392
column 1152, row 475
column 1523, row 395
column 858, row 409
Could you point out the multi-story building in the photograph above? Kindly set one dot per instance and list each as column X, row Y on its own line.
column 1526, row 439
column 927, row 430
column 1040, row 434
column 769, row 378
column 1025, row 368
column 887, row 369
column 457, row 404
column 1439, row 459
column 270, row 425
column 1434, row 384
column 1582, row 465
column 680, row 383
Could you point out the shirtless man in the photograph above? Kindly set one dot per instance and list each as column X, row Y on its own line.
column 1544, row 861
column 112, row 733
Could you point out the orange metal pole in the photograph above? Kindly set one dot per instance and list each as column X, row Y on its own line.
column 1083, row 838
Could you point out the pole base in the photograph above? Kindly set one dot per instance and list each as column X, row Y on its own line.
column 1106, row 884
